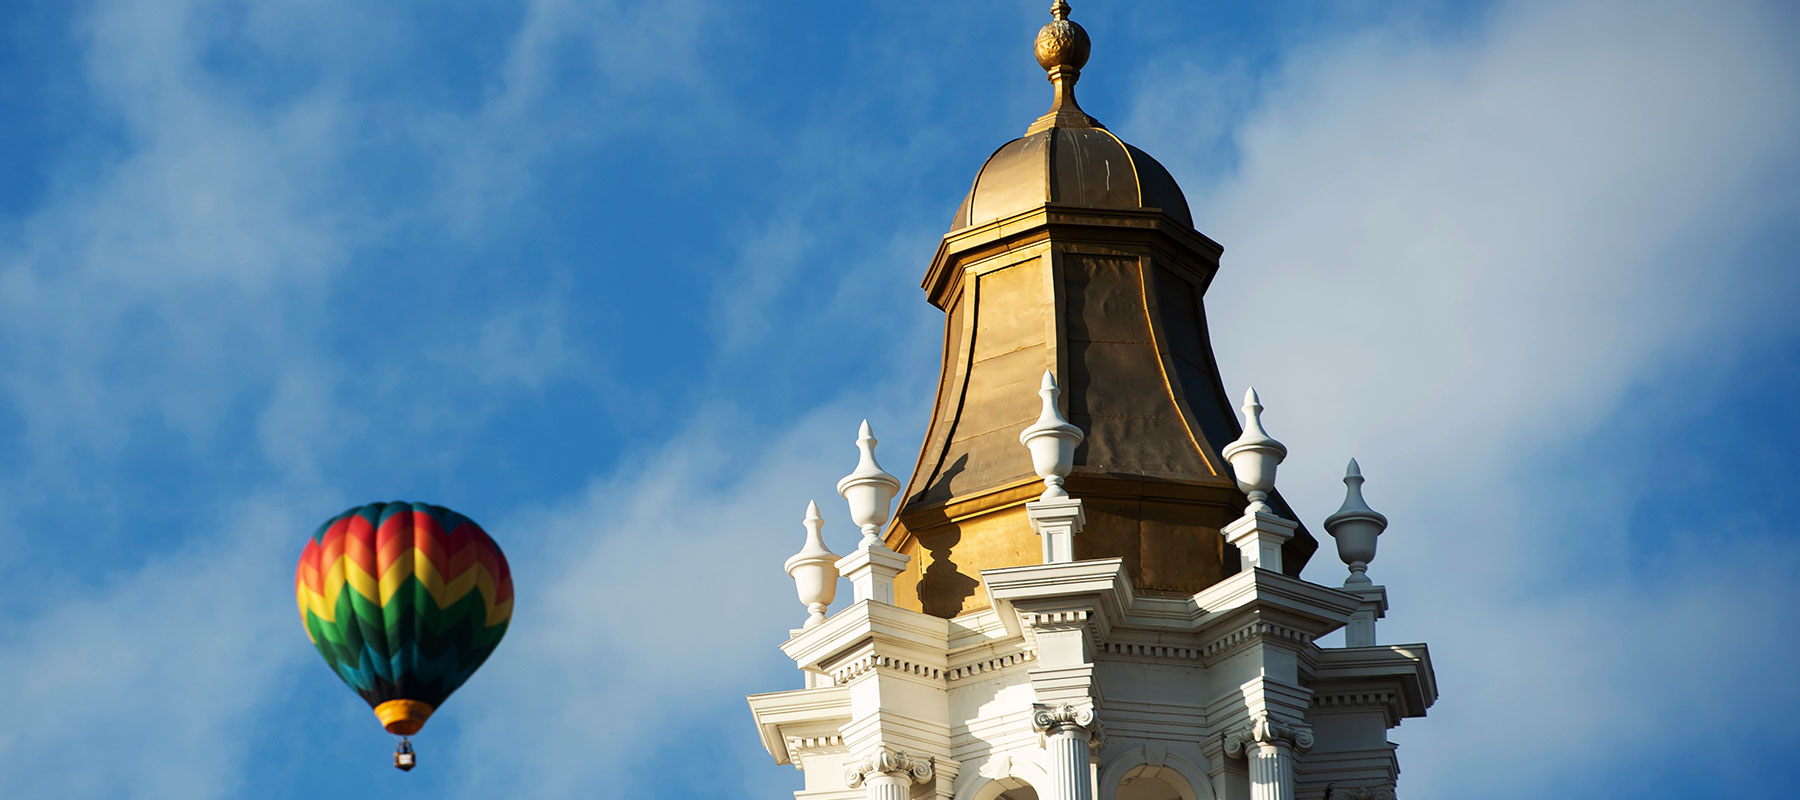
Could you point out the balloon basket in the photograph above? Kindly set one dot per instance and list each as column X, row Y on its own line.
column 404, row 758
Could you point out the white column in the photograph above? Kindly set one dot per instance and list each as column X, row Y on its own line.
column 1269, row 746
column 889, row 786
column 1271, row 772
column 888, row 774
column 1071, row 731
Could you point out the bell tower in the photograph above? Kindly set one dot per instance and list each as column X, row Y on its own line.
column 1090, row 588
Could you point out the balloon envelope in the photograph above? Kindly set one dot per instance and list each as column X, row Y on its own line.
column 405, row 601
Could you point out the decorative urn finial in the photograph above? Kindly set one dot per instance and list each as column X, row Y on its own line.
column 869, row 490
column 1062, row 43
column 1052, row 441
column 1062, row 50
column 1254, row 456
column 814, row 568
column 1355, row 526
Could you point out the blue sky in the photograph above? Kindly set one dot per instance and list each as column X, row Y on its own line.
column 618, row 280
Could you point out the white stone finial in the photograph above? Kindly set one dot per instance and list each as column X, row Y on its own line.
column 1052, row 441
column 869, row 490
column 1254, row 456
column 1355, row 526
column 814, row 568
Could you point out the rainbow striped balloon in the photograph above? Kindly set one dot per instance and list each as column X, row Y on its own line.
column 404, row 601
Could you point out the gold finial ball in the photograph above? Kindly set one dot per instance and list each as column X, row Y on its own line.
column 1062, row 43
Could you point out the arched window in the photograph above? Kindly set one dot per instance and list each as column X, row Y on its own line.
column 1008, row 788
column 1153, row 773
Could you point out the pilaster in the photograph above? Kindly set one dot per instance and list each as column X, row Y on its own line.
column 1064, row 611
column 1358, row 694
column 1257, row 633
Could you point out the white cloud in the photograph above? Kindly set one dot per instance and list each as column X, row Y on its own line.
column 165, row 281
column 653, row 601
column 145, row 684
column 172, row 285
column 1452, row 258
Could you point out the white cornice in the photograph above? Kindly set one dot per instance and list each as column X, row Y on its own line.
column 1094, row 593
column 1402, row 671
column 802, row 713
column 888, row 630
column 1274, row 590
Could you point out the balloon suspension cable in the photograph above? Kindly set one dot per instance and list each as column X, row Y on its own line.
column 404, row 758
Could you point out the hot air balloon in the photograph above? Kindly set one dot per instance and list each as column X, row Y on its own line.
column 405, row 601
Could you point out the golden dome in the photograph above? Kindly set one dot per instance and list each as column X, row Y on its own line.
column 1067, row 156
column 1072, row 166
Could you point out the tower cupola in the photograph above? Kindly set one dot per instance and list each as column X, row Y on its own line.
column 1074, row 253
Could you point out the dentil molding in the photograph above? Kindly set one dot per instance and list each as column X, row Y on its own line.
column 1063, row 619
column 850, row 670
column 1259, row 630
column 1360, row 793
column 886, row 761
column 993, row 664
column 804, row 744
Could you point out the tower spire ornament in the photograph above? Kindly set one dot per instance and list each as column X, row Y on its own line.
column 1356, row 527
column 1052, row 441
column 1062, row 50
column 868, row 490
column 1255, row 455
column 814, row 568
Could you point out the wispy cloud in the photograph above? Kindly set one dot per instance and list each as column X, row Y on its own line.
column 167, row 317
column 143, row 684
column 1453, row 257
column 656, row 602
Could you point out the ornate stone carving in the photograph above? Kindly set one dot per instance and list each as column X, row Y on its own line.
column 1264, row 729
column 889, row 762
column 1051, row 719
column 1359, row 793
